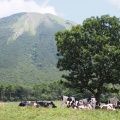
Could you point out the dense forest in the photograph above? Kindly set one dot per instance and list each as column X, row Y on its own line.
column 45, row 92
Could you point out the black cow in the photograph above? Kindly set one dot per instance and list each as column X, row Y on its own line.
column 22, row 104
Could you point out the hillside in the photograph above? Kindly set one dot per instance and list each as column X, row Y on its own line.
column 28, row 49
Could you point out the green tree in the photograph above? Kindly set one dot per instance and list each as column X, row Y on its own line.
column 10, row 90
column 91, row 54
column 2, row 90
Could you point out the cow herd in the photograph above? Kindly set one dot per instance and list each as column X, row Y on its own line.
column 90, row 103
column 75, row 103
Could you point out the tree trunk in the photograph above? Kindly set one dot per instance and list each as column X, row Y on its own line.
column 10, row 95
column 1, row 96
column 97, row 96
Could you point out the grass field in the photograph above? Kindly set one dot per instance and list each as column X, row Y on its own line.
column 11, row 111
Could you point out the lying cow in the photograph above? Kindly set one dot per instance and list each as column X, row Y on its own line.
column 108, row 107
column 88, row 103
column 91, row 101
column 22, row 104
column 78, row 104
column 46, row 104
column 27, row 103
column 37, row 104
column 113, row 101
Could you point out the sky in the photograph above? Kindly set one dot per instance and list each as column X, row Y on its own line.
column 73, row 10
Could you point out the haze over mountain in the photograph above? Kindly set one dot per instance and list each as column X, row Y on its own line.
column 28, row 49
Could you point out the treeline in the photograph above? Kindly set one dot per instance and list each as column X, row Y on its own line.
column 52, row 91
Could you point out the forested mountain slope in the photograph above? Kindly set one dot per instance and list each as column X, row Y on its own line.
column 28, row 48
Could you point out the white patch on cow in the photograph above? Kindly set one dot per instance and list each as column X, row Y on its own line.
column 35, row 104
column 68, row 102
column 76, row 103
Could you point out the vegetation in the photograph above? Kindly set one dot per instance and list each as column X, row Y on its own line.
column 11, row 111
column 28, row 49
column 51, row 91
column 91, row 54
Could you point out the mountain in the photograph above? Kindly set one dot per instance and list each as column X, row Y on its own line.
column 28, row 48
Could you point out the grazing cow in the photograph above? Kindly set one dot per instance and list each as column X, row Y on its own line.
column 113, row 101
column 65, row 99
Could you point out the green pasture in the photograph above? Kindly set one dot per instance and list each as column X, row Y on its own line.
column 11, row 111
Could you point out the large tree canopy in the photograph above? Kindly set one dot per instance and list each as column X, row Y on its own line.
column 91, row 54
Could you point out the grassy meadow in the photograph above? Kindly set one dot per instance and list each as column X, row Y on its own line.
column 11, row 111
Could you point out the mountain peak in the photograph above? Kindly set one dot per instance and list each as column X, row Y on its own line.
column 28, row 22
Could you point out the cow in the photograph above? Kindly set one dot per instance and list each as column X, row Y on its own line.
column 51, row 105
column 113, row 101
column 65, row 99
column 72, row 102
column 97, row 105
column 78, row 104
column 22, row 104
column 46, row 104
column 41, row 104
column 27, row 103
column 87, row 101
column 108, row 107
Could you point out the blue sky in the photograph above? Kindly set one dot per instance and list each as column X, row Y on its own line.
column 74, row 10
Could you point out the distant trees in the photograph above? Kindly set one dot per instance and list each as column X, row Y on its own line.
column 91, row 54
column 52, row 91
column 2, row 90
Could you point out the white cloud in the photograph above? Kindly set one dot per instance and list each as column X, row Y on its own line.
column 115, row 2
column 9, row 7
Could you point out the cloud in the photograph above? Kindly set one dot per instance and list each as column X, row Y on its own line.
column 115, row 2
column 9, row 7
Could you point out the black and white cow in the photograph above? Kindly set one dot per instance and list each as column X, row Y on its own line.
column 46, row 104
column 108, row 107
column 72, row 102
column 91, row 101
column 114, row 101
column 65, row 99
column 27, row 103
column 87, row 103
